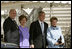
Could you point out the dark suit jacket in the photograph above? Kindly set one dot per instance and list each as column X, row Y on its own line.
column 11, row 31
column 36, row 35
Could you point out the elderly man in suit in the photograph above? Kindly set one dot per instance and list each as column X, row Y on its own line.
column 38, row 31
column 11, row 31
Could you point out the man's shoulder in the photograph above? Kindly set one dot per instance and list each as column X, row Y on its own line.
column 34, row 22
column 7, row 19
column 45, row 23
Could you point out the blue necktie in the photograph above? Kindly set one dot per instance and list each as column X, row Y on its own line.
column 42, row 28
column 43, row 37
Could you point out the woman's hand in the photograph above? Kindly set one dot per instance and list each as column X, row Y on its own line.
column 59, row 43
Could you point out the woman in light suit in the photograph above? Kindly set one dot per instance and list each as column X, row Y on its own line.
column 55, row 37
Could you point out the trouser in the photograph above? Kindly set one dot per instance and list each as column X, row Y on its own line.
column 43, row 42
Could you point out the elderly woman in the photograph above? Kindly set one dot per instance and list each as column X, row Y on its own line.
column 24, row 32
column 54, row 35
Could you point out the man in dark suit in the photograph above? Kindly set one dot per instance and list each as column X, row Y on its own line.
column 38, row 32
column 11, row 32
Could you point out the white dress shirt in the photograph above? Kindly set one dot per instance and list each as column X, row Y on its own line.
column 41, row 25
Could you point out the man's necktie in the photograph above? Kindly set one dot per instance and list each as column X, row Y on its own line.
column 42, row 28
column 43, row 36
column 15, row 23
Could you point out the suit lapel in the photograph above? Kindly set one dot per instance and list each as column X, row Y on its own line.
column 39, row 27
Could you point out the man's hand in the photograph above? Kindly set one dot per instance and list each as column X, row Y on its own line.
column 46, row 46
column 32, row 46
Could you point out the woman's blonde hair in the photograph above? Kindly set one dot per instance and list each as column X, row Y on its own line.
column 53, row 18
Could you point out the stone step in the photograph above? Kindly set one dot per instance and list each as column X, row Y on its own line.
column 62, row 12
column 66, row 8
column 59, row 18
column 62, row 24
column 66, row 21
column 48, row 16
column 59, row 15
column 63, row 16
column 63, row 19
column 46, row 9
column 56, row 10
column 59, row 21
column 69, row 8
